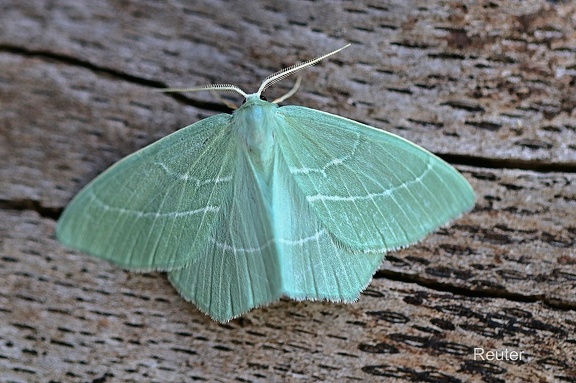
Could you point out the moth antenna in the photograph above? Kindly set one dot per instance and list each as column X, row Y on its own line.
column 210, row 87
column 273, row 78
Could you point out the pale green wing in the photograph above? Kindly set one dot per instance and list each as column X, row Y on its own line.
column 240, row 269
column 154, row 209
column 371, row 189
column 314, row 264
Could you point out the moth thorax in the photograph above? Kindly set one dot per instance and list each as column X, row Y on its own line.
column 257, row 132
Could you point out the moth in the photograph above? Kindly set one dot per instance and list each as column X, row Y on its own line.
column 241, row 209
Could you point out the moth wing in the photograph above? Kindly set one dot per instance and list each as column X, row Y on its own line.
column 371, row 189
column 153, row 209
column 240, row 269
column 314, row 264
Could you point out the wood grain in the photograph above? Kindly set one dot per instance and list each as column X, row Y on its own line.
column 489, row 86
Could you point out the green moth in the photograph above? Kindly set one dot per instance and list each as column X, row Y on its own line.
column 241, row 209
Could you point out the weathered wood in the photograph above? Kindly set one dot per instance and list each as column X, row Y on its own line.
column 489, row 85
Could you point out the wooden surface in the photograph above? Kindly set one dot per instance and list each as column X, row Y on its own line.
column 489, row 86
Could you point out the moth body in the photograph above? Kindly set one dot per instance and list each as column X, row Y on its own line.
column 256, row 121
